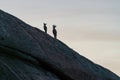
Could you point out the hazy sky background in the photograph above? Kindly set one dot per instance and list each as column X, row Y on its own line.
column 90, row 27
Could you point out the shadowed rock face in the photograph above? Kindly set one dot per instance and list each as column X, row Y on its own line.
column 27, row 53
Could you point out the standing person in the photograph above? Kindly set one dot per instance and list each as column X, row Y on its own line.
column 54, row 31
column 45, row 27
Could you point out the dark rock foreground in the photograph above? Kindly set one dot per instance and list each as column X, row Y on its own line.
column 27, row 53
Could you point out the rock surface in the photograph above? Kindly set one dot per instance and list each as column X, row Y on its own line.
column 27, row 53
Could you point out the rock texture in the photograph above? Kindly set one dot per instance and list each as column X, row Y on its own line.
column 27, row 53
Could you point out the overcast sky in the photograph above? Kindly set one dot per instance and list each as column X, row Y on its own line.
column 90, row 27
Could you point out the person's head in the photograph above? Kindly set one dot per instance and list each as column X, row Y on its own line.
column 44, row 24
column 54, row 26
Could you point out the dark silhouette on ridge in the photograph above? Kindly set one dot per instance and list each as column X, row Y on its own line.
column 27, row 53
column 54, row 31
column 45, row 27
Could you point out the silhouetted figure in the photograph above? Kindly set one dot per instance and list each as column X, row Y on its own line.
column 45, row 27
column 54, row 31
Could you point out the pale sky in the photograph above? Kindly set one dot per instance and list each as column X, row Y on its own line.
column 90, row 27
